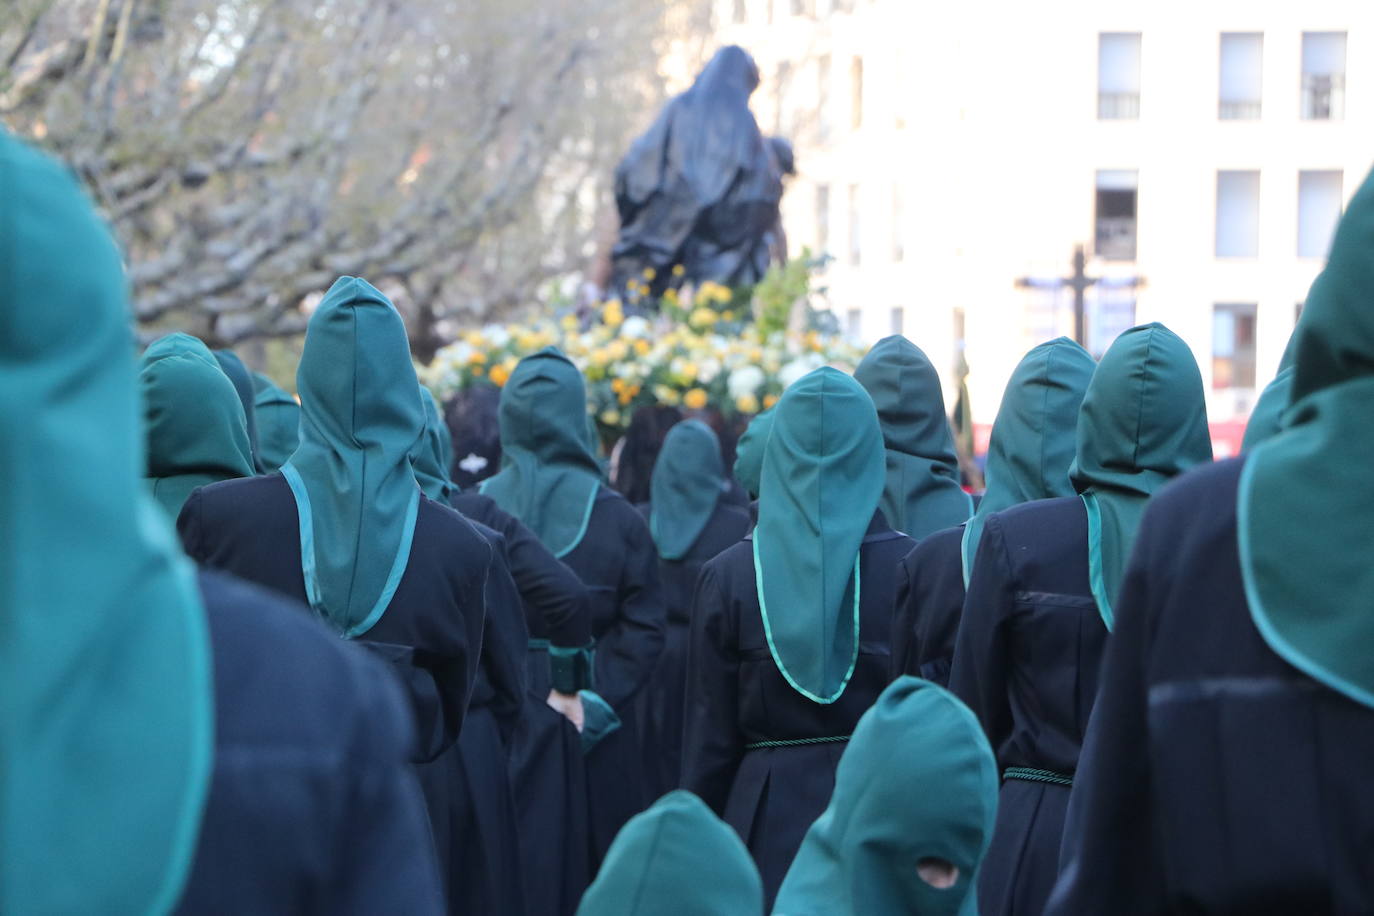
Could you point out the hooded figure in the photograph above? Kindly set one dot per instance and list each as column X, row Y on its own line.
column 749, row 452
column 1227, row 767
column 171, row 741
column 551, row 482
column 1036, row 618
column 196, row 430
column 1029, row 454
column 676, row 858
column 1266, row 419
column 278, row 418
column 700, row 188
column 789, row 628
column 921, row 494
column 901, row 839
column 691, row 522
column 242, row 380
column 433, row 452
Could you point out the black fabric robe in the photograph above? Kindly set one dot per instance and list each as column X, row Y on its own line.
column 663, row 697
column 1026, row 662
column 1215, row 776
column 617, row 562
column 930, row 601
column 736, row 696
column 313, row 807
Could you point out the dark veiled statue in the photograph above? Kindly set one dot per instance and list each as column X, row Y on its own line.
column 701, row 187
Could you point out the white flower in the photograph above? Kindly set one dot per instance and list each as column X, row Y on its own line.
column 792, row 371
column 496, row 334
column 745, row 380
column 708, row 369
column 635, row 327
column 458, row 353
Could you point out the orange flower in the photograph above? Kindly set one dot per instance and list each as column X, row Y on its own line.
column 499, row 375
column 695, row 399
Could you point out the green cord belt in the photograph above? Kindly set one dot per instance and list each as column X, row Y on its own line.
column 795, row 742
column 1031, row 775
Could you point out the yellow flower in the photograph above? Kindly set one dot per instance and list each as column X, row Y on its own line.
column 614, row 313
column 678, row 270
column 702, row 318
column 475, row 338
column 595, row 373
column 747, row 403
column 650, row 273
column 610, row 417
column 477, row 358
column 695, row 399
column 670, row 296
column 599, row 357
column 569, row 322
column 499, row 375
column 642, row 347
column 813, row 341
column 769, row 400
column 728, row 315
column 617, row 350
column 666, row 395
column 617, row 385
column 478, row 371
column 527, row 341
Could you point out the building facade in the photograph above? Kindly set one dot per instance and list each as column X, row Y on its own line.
column 951, row 158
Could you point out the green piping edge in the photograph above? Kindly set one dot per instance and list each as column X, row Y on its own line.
column 965, row 560
column 1030, row 774
column 1268, row 632
column 1095, row 580
column 586, row 519
column 773, row 649
column 795, row 742
column 398, row 568
column 305, row 522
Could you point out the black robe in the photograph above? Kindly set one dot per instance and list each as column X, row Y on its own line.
column 930, row 601
column 663, row 697
column 737, row 697
column 617, row 562
column 312, row 807
column 1026, row 662
column 1215, row 777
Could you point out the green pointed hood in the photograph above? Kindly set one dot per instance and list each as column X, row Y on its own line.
column 822, row 480
column 106, row 694
column 1033, row 436
column 687, row 482
column 549, row 476
column 1306, row 495
column 1266, row 418
column 196, row 430
column 749, row 452
column 676, row 859
column 917, row 781
column 427, row 458
column 922, row 494
column 279, row 423
column 1143, row 422
column 242, row 380
column 356, row 496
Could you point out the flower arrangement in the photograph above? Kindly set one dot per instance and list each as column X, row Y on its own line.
column 700, row 349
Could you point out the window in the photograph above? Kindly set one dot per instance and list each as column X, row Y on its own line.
column 1118, row 76
column 898, row 248
column 1233, row 346
column 823, row 98
column 853, row 322
column 1238, row 204
column 1319, row 209
column 898, row 320
column 855, row 244
column 856, row 88
column 1242, row 76
column 1116, row 215
column 822, row 218
column 1323, row 76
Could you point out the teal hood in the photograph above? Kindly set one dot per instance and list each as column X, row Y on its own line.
column 688, row 479
column 917, row 782
column 361, row 415
column 242, row 380
column 432, row 450
column 279, row 423
column 921, row 492
column 106, row 690
column 676, row 859
column 1267, row 417
column 749, row 452
column 197, row 433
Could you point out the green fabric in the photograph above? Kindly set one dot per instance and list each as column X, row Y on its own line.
column 749, row 452
column 106, row 692
column 549, row 477
column 242, row 380
column 356, row 497
column 675, row 859
column 196, row 430
column 687, row 482
column 917, row 781
column 1143, row 422
column 599, row 719
column 1306, row 496
column 921, row 494
column 822, row 480
column 1265, row 418
column 279, row 423
column 1032, row 442
column 427, row 458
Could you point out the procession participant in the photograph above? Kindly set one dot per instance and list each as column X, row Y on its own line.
column 242, row 380
column 196, row 432
column 676, row 859
column 550, row 480
column 1029, row 454
column 789, row 628
column 921, row 493
column 1039, row 606
column 244, row 759
column 1226, row 769
column 904, row 838
column 691, row 523
column 749, row 454
column 279, row 423
column 1265, row 418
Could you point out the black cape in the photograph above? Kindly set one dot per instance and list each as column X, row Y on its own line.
column 930, row 601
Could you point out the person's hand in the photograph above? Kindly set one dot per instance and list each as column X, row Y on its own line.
column 569, row 705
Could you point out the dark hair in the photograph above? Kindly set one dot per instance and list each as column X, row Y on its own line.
column 643, row 439
column 475, row 431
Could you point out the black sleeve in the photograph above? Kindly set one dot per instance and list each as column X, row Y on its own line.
column 629, row 648
column 504, row 642
column 904, row 619
column 710, row 742
column 189, row 527
column 978, row 674
column 551, row 589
